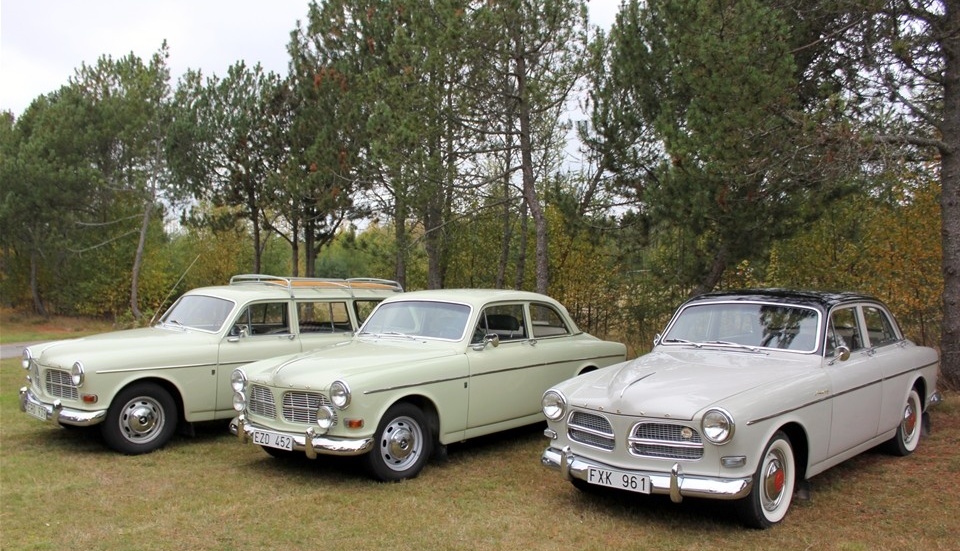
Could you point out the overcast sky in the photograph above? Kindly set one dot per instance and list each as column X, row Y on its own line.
column 42, row 42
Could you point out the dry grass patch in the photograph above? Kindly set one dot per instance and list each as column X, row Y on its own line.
column 62, row 489
column 18, row 327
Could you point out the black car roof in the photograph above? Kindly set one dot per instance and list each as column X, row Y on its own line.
column 821, row 299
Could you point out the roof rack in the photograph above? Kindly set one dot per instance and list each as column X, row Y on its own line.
column 291, row 283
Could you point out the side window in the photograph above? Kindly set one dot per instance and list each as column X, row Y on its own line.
column 547, row 322
column 503, row 320
column 363, row 308
column 844, row 331
column 265, row 318
column 879, row 328
column 323, row 317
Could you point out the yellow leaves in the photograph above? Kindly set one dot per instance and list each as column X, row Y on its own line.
column 890, row 249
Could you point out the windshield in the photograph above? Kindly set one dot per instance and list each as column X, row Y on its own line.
column 753, row 325
column 198, row 312
column 439, row 320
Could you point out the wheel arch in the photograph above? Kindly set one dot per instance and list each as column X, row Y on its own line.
column 165, row 384
column 587, row 369
column 800, row 444
column 920, row 385
column 427, row 406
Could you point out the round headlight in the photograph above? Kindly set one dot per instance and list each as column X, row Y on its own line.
column 326, row 418
column 26, row 357
column 239, row 401
column 76, row 374
column 554, row 405
column 238, row 380
column 340, row 394
column 717, row 426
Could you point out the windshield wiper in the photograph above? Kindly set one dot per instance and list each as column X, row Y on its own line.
column 735, row 345
column 388, row 334
column 683, row 341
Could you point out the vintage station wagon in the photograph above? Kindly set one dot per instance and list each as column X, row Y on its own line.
column 139, row 385
column 743, row 397
column 427, row 369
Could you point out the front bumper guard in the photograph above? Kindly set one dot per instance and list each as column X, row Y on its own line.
column 57, row 413
column 675, row 484
column 309, row 443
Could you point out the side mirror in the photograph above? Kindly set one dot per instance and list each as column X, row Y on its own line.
column 656, row 340
column 842, row 353
column 493, row 339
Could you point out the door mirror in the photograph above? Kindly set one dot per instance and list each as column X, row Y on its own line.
column 842, row 353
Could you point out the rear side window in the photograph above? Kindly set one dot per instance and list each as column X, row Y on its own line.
column 547, row 322
column 879, row 327
column 324, row 317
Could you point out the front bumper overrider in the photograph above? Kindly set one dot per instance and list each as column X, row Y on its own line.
column 675, row 484
column 309, row 442
column 59, row 414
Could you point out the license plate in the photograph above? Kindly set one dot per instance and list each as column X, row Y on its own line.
column 273, row 440
column 619, row 479
column 36, row 410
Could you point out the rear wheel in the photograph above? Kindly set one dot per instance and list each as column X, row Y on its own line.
column 141, row 419
column 402, row 446
column 773, row 485
column 907, row 437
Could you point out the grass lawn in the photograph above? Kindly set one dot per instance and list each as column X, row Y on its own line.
column 62, row 489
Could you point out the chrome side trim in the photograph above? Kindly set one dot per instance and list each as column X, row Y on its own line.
column 676, row 484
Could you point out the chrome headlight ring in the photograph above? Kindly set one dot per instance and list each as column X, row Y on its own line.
column 717, row 426
column 26, row 358
column 238, row 380
column 326, row 419
column 554, row 405
column 239, row 402
column 77, row 374
column 340, row 394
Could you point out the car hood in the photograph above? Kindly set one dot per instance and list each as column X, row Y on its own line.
column 130, row 348
column 315, row 370
column 678, row 383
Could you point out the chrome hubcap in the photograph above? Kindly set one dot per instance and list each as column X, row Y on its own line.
column 401, row 443
column 774, row 480
column 141, row 420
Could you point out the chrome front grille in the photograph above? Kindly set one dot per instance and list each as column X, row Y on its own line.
column 60, row 384
column 666, row 441
column 261, row 402
column 590, row 429
column 301, row 407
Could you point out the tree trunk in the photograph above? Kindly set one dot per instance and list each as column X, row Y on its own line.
column 138, row 261
column 522, row 249
column 950, row 201
column 529, row 184
column 38, row 306
column 717, row 267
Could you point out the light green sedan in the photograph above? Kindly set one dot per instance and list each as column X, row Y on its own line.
column 139, row 385
column 427, row 369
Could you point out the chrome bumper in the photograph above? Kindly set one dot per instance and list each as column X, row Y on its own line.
column 309, row 443
column 59, row 414
column 675, row 484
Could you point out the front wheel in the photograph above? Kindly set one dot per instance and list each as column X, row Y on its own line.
column 402, row 446
column 141, row 419
column 907, row 437
column 773, row 485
